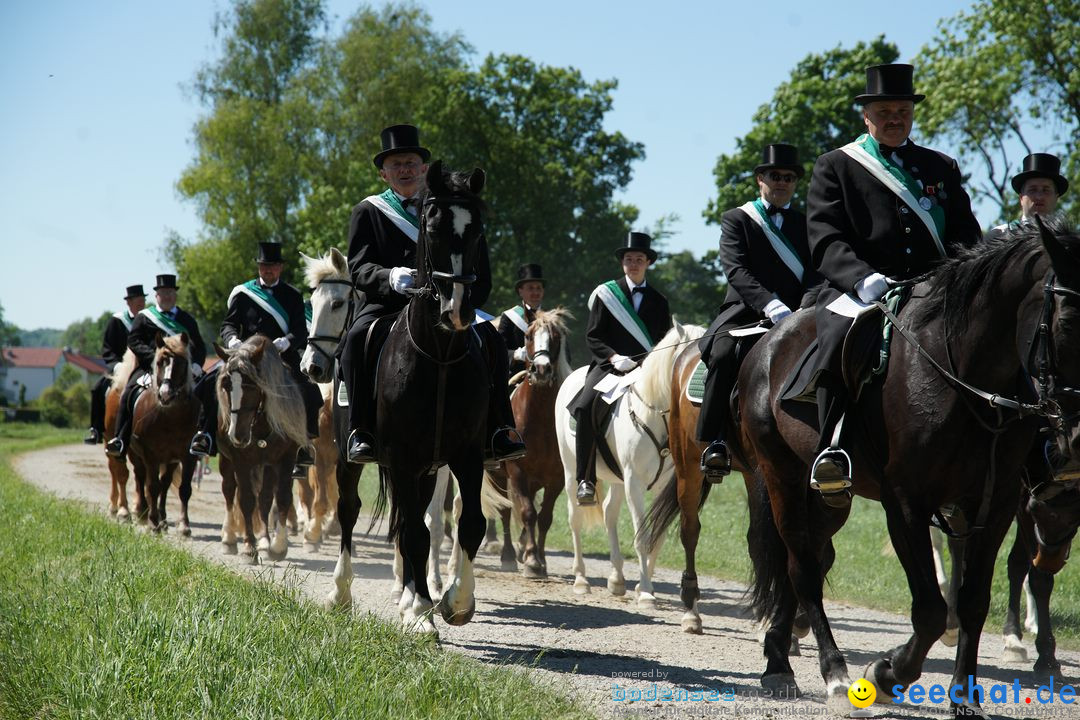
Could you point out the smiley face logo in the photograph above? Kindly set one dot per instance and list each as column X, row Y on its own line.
column 861, row 693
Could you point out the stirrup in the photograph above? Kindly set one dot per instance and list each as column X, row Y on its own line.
column 712, row 474
column 827, row 475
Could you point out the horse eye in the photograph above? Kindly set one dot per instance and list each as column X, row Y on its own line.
column 336, row 305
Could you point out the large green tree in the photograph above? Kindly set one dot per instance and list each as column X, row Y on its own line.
column 814, row 110
column 9, row 334
column 997, row 76
column 85, row 336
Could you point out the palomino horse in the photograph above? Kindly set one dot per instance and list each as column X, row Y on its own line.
column 333, row 300
column 938, row 445
column 533, row 401
column 637, row 435
column 163, row 421
column 432, row 392
column 118, row 469
column 260, row 427
column 318, row 494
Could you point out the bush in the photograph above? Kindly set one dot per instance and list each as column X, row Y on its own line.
column 67, row 401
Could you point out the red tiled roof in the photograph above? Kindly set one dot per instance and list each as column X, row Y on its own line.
column 32, row 357
column 90, row 364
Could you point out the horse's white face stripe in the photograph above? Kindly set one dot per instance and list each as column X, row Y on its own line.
column 462, row 218
column 236, row 397
column 541, row 343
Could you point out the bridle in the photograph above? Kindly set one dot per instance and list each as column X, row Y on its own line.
column 437, row 276
column 314, row 340
column 1049, row 386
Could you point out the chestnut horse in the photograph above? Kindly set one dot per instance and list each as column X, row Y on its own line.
column 533, row 401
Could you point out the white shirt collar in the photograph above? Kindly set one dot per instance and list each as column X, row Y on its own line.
column 630, row 283
column 262, row 284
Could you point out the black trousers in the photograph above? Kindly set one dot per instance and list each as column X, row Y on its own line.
column 97, row 403
column 360, row 378
column 723, row 365
column 127, row 401
column 581, row 408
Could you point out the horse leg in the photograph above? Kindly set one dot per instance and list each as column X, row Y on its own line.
column 636, row 505
column 689, row 531
column 1018, row 566
column 187, row 472
column 575, row 519
column 508, row 556
column 305, row 511
column 118, row 501
column 282, row 485
column 154, row 488
column 543, row 524
column 166, row 481
column 348, row 509
column 612, row 504
column 141, row 508
column 459, row 601
column 956, row 576
column 525, row 509
column 228, row 490
column 415, row 546
column 263, row 487
column 1046, row 664
column 434, row 520
column 245, row 486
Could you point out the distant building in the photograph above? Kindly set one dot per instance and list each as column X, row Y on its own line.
column 37, row 368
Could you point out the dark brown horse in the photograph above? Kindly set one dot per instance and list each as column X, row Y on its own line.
column 163, row 421
column 961, row 417
column 533, row 401
column 260, row 426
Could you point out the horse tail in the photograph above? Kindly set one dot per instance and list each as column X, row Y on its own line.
column 386, row 490
column 664, row 509
column 593, row 515
column 768, row 555
column 492, row 500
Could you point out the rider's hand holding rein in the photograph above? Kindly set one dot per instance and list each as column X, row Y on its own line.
column 401, row 279
column 622, row 363
column 872, row 287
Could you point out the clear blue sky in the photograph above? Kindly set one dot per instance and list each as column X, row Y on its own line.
column 96, row 127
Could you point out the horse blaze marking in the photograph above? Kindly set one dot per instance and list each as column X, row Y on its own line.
column 462, row 218
column 236, row 397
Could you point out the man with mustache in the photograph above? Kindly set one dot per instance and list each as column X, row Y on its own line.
column 880, row 209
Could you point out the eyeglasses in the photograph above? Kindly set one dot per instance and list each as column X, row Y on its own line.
column 782, row 177
column 399, row 166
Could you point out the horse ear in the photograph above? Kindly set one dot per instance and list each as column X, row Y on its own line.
column 1064, row 264
column 256, row 356
column 159, row 339
column 340, row 263
column 184, row 338
column 435, row 181
column 220, row 351
column 476, row 180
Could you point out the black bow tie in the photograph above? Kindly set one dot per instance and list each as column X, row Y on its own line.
column 773, row 210
column 638, row 289
column 410, row 202
column 887, row 150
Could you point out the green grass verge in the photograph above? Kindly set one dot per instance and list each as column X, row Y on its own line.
column 866, row 572
column 99, row 622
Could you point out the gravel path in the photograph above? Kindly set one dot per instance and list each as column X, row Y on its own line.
column 592, row 647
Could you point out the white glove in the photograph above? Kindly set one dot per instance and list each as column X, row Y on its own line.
column 521, row 354
column 234, row 342
column 776, row 310
column 622, row 363
column 196, row 371
column 872, row 287
column 282, row 344
column 401, row 279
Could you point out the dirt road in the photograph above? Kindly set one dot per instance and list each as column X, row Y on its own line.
column 599, row 648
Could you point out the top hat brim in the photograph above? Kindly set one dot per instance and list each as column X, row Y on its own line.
column 423, row 152
column 649, row 253
column 1059, row 181
column 129, row 297
column 799, row 170
column 522, row 281
column 867, row 99
column 166, row 287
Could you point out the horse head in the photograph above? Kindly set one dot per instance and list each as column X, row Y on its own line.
column 1055, row 510
column 1056, row 351
column 172, row 366
column 239, row 388
column 545, row 343
column 333, row 299
column 451, row 229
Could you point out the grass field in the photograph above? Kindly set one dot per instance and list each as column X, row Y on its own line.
column 99, row 622
column 866, row 572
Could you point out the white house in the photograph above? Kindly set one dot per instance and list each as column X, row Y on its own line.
column 37, row 368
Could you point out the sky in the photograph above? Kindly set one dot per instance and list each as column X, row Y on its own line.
column 96, row 123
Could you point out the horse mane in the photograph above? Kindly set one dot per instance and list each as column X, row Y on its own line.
column 321, row 268
column 654, row 385
column 555, row 321
column 979, row 267
column 176, row 346
column 123, row 369
column 284, row 404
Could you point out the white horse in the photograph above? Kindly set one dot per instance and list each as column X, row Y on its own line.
column 638, row 438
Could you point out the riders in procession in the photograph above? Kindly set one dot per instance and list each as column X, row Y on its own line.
column 267, row 306
column 880, row 210
column 113, row 347
column 383, row 233
column 514, row 322
column 627, row 317
column 766, row 259
column 1039, row 184
column 163, row 318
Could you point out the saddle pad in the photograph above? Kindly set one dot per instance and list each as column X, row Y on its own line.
column 695, row 389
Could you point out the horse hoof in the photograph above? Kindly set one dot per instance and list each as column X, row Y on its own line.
column 800, row 631
column 228, row 548
column 184, row 529
column 950, row 637
column 508, row 565
column 691, row 624
column 581, row 586
column 395, row 596
column 533, row 571
column 837, row 700
column 457, row 618
column 880, row 675
column 112, row 511
column 263, row 543
column 338, row 600
column 616, row 587
column 794, row 650
column 492, row 548
column 646, row 601
column 311, row 547
column 1045, row 672
column 1014, row 650
column 275, row 555
column 781, row 685
column 123, row 515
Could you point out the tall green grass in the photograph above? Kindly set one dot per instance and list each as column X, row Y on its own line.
column 98, row 622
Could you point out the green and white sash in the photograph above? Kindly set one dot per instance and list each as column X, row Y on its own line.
column 308, row 313
column 619, row 305
column 865, row 151
column 389, row 205
column 125, row 317
column 516, row 315
column 783, row 247
column 264, row 300
column 165, row 323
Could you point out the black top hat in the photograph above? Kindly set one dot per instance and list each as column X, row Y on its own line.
column 528, row 273
column 401, row 139
column 781, row 156
column 637, row 241
column 1042, row 165
column 166, row 282
column 134, row 291
column 269, row 252
column 889, row 82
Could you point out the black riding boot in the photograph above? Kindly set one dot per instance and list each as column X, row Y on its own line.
column 831, row 473
column 118, row 445
column 96, row 432
column 360, row 447
column 585, row 446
